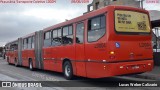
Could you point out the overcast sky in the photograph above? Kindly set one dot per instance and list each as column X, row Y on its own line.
column 17, row 20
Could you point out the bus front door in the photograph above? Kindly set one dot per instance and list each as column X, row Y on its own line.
column 80, row 54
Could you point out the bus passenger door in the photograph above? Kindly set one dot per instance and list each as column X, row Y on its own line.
column 80, row 55
column 47, row 52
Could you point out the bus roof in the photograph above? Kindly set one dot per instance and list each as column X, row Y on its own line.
column 31, row 34
column 11, row 42
column 92, row 14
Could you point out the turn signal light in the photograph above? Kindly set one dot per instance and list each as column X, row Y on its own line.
column 112, row 52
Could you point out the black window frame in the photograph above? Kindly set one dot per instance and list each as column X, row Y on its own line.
column 69, row 29
column 83, row 32
column 45, row 35
column 25, row 43
column 89, row 20
column 47, row 38
column 72, row 34
column 52, row 38
column 29, row 43
column 14, row 46
column 66, row 27
column 33, row 42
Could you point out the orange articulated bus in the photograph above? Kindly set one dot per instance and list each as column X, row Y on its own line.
column 111, row 41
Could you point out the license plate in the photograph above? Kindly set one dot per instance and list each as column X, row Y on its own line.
column 135, row 67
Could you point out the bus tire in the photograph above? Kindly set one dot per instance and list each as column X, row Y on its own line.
column 4, row 56
column 68, row 70
column 16, row 62
column 8, row 61
column 31, row 65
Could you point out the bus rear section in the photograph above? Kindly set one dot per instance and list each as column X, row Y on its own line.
column 128, row 46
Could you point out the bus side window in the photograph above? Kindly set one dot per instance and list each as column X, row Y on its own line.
column 47, row 39
column 67, row 35
column 59, row 37
column 14, row 46
column 33, row 40
column 25, row 43
column 96, row 28
column 80, row 33
column 29, row 45
column 56, row 37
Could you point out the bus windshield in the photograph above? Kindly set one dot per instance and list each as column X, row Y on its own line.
column 131, row 22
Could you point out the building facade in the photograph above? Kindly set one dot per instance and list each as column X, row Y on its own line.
column 96, row 4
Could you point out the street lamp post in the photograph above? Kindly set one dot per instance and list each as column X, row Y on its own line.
column 141, row 1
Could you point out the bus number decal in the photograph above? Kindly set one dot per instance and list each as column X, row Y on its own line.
column 100, row 45
column 144, row 45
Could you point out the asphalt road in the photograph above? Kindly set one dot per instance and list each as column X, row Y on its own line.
column 12, row 73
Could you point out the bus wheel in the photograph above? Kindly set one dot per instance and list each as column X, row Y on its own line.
column 16, row 62
column 68, row 70
column 4, row 56
column 31, row 65
column 8, row 61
